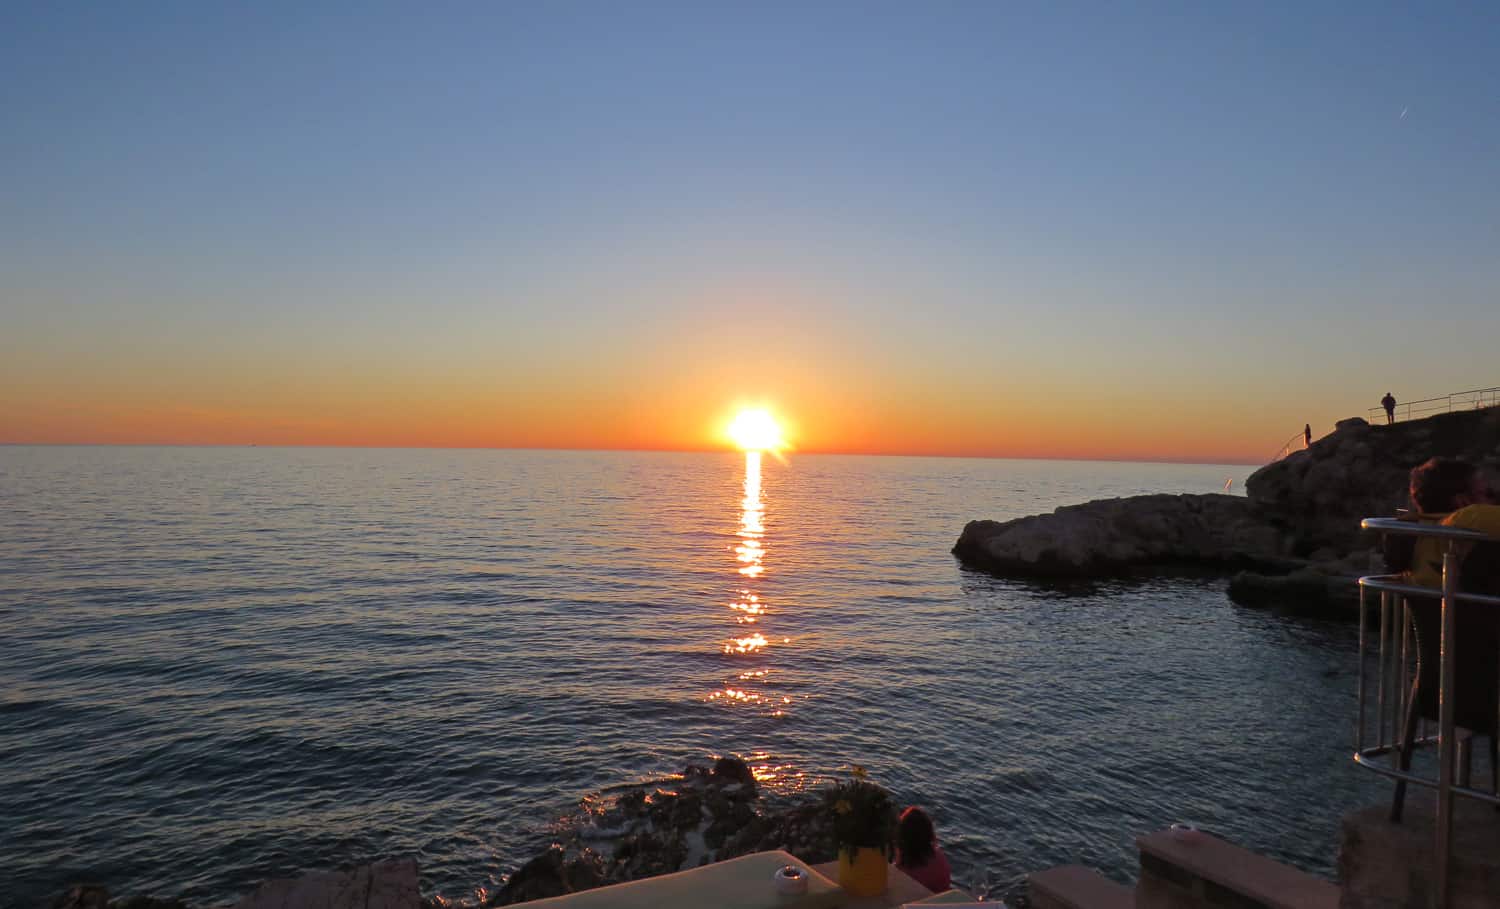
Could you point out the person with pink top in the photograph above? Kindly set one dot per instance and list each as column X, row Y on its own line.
column 917, row 852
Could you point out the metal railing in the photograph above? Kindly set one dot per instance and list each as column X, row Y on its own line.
column 1296, row 443
column 1395, row 668
column 1475, row 399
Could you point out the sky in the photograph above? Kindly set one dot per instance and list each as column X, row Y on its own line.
column 1127, row 231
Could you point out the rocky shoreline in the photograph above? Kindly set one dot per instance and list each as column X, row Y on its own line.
column 705, row 814
column 1293, row 541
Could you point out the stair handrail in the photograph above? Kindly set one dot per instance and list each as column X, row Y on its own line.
column 1290, row 446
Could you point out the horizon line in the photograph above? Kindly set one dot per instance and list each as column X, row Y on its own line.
column 1227, row 462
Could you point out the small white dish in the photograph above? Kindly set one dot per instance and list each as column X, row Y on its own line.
column 1183, row 833
column 791, row 880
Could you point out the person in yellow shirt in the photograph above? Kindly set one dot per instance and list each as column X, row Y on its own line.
column 1454, row 493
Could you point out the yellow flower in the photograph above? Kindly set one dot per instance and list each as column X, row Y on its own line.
column 842, row 806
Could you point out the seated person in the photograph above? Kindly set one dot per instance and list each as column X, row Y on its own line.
column 1454, row 493
column 917, row 852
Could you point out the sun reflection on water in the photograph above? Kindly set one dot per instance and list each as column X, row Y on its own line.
column 783, row 778
column 747, row 644
column 749, row 551
column 746, row 606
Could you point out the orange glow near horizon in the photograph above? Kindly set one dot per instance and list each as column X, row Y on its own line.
column 453, row 417
column 826, row 404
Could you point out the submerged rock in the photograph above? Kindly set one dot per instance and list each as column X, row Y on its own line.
column 93, row 896
column 1305, row 591
column 83, row 896
column 732, row 770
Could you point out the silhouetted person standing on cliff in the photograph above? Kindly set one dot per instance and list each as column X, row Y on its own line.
column 1389, row 403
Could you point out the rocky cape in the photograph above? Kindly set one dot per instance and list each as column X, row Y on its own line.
column 1294, row 538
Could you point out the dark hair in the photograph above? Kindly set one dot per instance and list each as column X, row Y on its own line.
column 1437, row 483
column 915, row 836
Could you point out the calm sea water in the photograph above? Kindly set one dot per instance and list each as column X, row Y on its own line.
column 219, row 665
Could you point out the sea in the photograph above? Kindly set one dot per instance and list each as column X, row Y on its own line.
column 221, row 665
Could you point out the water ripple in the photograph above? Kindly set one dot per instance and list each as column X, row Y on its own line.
column 226, row 664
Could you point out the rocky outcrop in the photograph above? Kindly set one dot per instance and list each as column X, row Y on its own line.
column 1109, row 535
column 1319, row 495
column 705, row 815
column 550, row 874
column 1295, row 536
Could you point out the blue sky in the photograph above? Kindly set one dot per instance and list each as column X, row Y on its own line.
column 1214, row 202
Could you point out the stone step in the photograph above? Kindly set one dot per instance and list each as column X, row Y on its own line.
column 1197, row 869
column 1076, row 887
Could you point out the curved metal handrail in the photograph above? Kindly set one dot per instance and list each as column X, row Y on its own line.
column 1419, row 529
column 1392, row 583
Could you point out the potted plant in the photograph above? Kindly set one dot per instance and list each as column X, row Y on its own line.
column 864, row 827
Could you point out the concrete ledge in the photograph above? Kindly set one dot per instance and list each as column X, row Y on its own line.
column 1205, row 871
column 1076, row 887
column 745, row 882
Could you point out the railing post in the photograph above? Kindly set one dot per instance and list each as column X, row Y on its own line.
column 1446, row 743
column 1359, row 722
column 1403, row 692
column 1381, row 682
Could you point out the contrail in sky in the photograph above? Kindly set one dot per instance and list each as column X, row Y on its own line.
column 1403, row 113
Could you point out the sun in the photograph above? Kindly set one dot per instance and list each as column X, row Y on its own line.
column 755, row 429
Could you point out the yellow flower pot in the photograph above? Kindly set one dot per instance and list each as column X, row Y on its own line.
column 863, row 871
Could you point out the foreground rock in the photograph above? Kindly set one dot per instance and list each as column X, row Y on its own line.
column 389, row 884
column 1294, row 538
column 705, row 815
